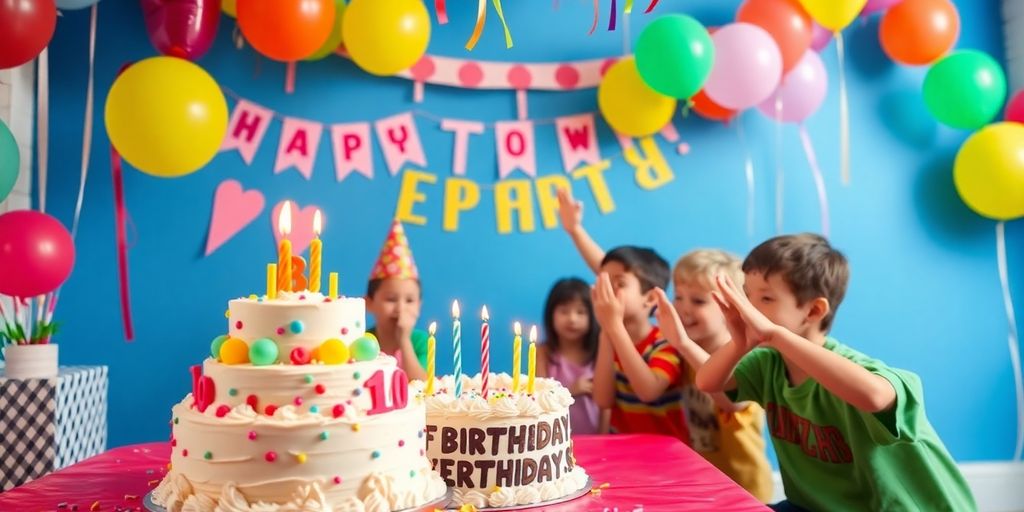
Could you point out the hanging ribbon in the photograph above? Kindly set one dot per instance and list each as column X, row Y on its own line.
column 651, row 6
column 289, row 77
column 629, row 7
column 748, row 172
column 625, row 34
column 611, row 16
column 120, row 221
column 481, row 17
column 593, row 27
column 43, row 124
column 86, row 125
column 442, row 12
column 780, row 196
column 819, row 181
column 504, row 26
column 844, row 114
column 1018, row 380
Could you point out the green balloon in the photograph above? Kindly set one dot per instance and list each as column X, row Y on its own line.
column 965, row 89
column 215, row 346
column 365, row 348
column 263, row 352
column 333, row 40
column 9, row 161
column 674, row 55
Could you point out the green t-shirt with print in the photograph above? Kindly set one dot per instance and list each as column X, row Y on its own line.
column 834, row 457
column 419, row 343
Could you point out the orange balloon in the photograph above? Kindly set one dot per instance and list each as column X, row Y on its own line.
column 286, row 30
column 786, row 21
column 919, row 32
column 701, row 104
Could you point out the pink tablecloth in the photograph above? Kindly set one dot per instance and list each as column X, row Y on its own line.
column 643, row 473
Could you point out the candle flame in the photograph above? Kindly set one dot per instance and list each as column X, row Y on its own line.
column 317, row 223
column 284, row 219
column 533, row 334
column 455, row 309
column 517, row 329
column 484, row 315
column 432, row 329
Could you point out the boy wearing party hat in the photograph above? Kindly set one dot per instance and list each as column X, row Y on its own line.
column 393, row 297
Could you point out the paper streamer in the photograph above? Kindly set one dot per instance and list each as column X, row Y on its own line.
column 481, row 17
column 844, row 114
column 442, row 12
column 629, row 6
column 501, row 18
column 819, row 181
column 43, row 124
column 780, row 196
column 1018, row 380
column 612, row 16
column 651, row 7
column 748, row 172
column 86, row 125
column 120, row 221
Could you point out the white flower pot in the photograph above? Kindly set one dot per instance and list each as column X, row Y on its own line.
column 30, row 361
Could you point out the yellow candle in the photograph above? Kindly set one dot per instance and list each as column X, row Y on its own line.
column 284, row 251
column 532, row 360
column 431, row 353
column 271, row 281
column 517, row 355
column 315, row 250
column 332, row 285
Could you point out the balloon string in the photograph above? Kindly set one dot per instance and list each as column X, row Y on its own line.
column 87, row 124
column 819, row 180
column 593, row 27
column 442, row 12
column 43, row 124
column 481, row 17
column 289, row 77
column 844, row 113
column 120, row 219
column 748, row 171
column 1018, row 381
column 780, row 196
column 504, row 26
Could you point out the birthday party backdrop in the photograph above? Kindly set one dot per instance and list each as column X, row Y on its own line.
column 924, row 295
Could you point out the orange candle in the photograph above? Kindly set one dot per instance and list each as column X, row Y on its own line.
column 284, row 250
column 315, row 253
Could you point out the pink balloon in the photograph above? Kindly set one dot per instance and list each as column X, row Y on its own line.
column 820, row 37
column 36, row 253
column 181, row 28
column 748, row 66
column 874, row 6
column 1015, row 108
column 802, row 91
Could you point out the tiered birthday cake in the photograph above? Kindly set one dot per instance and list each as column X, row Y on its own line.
column 512, row 448
column 297, row 410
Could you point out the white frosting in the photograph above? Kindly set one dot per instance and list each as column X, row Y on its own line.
column 342, row 318
column 549, row 397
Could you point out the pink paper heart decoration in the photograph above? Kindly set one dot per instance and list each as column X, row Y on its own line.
column 302, row 225
column 233, row 209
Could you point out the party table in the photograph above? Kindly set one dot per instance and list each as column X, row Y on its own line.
column 629, row 473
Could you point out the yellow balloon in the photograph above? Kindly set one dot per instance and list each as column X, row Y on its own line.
column 989, row 171
column 166, row 116
column 384, row 37
column 833, row 14
column 229, row 7
column 628, row 105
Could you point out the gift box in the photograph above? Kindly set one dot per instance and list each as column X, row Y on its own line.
column 48, row 424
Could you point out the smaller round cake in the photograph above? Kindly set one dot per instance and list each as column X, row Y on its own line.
column 510, row 449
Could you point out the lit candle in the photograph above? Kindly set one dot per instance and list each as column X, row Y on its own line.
column 332, row 285
column 485, row 351
column 532, row 361
column 431, row 353
column 457, row 342
column 271, row 281
column 315, row 250
column 517, row 355
column 284, row 251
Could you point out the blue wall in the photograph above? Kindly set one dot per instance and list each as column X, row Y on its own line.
column 924, row 295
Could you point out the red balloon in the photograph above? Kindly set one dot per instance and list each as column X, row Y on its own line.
column 181, row 28
column 708, row 109
column 1015, row 108
column 286, row 30
column 36, row 253
column 787, row 23
column 26, row 27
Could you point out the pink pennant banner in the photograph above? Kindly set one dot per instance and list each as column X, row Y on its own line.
column 516, row 147
column 302, row 225
column 577, row 140
column 400, row 141
column 233, row 209
column 298, row 147
column 246, row 128
column 351, row 144
column 462, row 130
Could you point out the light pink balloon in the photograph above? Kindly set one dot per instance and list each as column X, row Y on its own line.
column 820, row 37
column 802, row 91
column 748, row 66
column 874, row 6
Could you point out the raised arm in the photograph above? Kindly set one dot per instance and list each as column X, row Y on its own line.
column 604, row 374
column 571, row 213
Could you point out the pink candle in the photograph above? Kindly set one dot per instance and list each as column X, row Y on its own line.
column 485, row 351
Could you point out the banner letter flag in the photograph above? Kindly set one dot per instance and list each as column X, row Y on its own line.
column 462, row 130
column 233, row 209
column 246, row 128
column 577, row 140
column 400, row 142
column 298, row 146
column 351, row 145
column 516, row 148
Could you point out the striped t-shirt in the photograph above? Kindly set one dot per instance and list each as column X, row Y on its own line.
column 665, row 414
